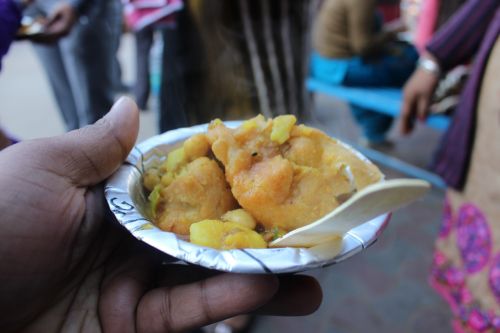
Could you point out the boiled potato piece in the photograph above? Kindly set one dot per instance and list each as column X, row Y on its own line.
column 175, row 159
column 224, row 235
column 282, row 126
column 241, row 217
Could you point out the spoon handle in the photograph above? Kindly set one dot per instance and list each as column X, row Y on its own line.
column 365, row 205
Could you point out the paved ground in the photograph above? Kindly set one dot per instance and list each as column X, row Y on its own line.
column 28, row 108
column 383, row 289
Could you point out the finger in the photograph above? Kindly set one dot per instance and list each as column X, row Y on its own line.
column 423, row 108
column 52, row 19
column 208, row 301
column 297, row 295
column 121, row 291
column 407, row 115
column 91, row 154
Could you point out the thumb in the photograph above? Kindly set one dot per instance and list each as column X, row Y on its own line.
column 91, row 154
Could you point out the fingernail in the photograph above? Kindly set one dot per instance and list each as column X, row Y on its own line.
column 122, row 101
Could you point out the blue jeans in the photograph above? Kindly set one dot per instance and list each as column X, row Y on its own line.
column 386, row 71
column 81, row 67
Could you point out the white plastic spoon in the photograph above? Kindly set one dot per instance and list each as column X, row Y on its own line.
column 363, row 206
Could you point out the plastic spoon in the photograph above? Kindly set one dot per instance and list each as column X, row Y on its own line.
column 363, row 206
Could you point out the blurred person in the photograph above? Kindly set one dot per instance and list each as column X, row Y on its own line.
column 351, row 48
column 120, row 86
column 78, row 52
column 426, row 23
column 10, row 22
column 433, row 14
column 67, row 268
column 466, row 266
column 142, row 87
column 145, row 18
column 180, row 73
column 172, row 22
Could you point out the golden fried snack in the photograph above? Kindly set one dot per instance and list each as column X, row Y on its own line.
column 199, row 192
column 287, row 176
column 187, row 188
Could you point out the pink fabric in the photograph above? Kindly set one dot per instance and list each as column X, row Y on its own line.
column 494, row 277
column 143, row 13
column 472, row 234
column 473, row 238
column 426, row 23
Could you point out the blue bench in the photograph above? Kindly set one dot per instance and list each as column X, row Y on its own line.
column 384, row 100
column 387, row 101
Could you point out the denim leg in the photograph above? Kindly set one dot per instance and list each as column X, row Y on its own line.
column 88, row 54
column 51, row 57
column 373, row 124
column 142, row 87
column 389, row 70
column 174, row 97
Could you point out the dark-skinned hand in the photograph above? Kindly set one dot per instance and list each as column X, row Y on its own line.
column 67, row 268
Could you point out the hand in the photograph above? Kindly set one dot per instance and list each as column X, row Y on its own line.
column 58, row 24
column 65, row 267
column 417, row 97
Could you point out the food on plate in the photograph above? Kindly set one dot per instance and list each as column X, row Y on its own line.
column 188, row 187
column 284, row 175
column 225, row 235
column 243, row 187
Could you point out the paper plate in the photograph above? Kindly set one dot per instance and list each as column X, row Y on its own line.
column 127, row 200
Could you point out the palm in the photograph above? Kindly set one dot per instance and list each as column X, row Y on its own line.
column 47, row 232
column 65, row 267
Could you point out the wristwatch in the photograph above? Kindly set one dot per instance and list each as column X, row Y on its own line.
column 429, row 65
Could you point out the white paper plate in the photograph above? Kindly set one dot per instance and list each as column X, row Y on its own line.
column 127, row 200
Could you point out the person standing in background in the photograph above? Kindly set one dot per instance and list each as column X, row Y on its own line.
column 80, row 56
column 352, row 48
column 10, row 21
column 145, row 18
column 466, row 265
column 433, row 15
column 171, row 20
column 142, row 88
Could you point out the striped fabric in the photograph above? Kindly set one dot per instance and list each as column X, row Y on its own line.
column 142, row 13
column 459, row 39
column 472, row 31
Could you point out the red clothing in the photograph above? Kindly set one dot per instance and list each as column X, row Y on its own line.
column 142, row 13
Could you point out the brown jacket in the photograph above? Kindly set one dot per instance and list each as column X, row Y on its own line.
column 347, row 28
